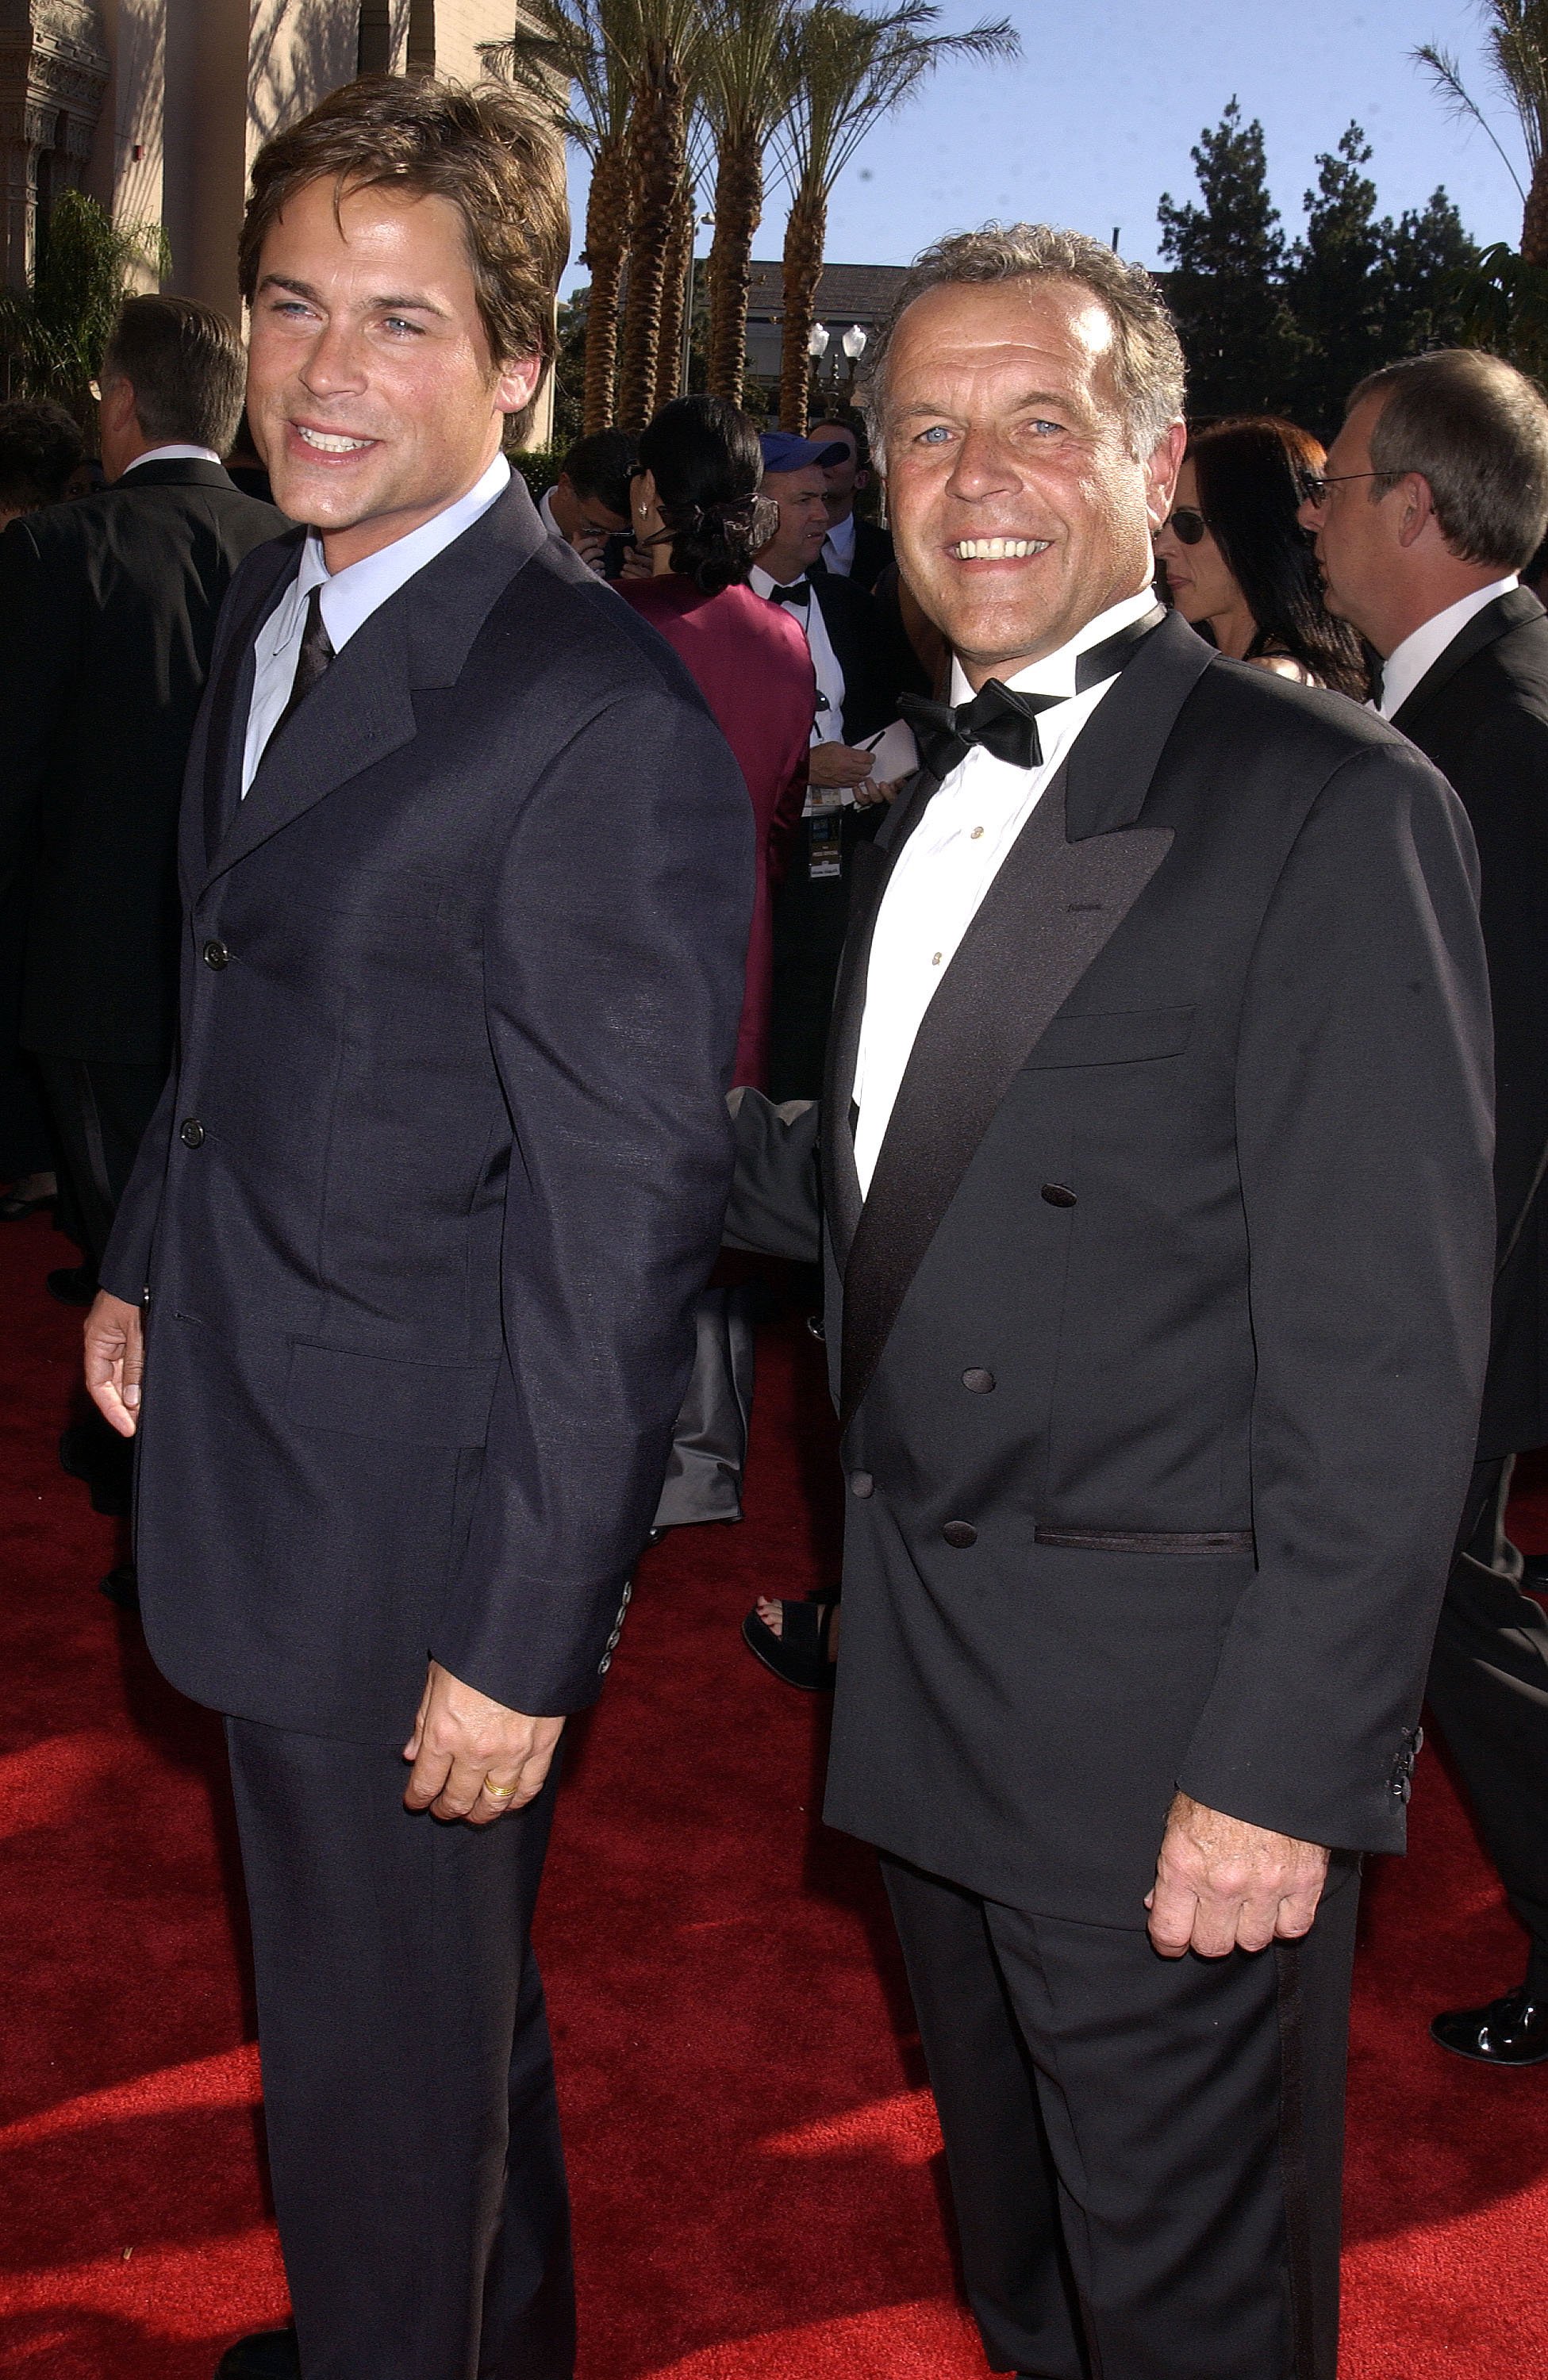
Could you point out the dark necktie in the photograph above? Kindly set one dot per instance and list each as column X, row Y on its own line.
column 800, row 593
column 1003, row 721
column 313, row 659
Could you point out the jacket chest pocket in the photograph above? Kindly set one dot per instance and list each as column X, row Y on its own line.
column 1114, row 1037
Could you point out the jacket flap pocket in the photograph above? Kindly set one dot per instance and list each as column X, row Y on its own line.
column 389, row 1396
column 1114, row 1037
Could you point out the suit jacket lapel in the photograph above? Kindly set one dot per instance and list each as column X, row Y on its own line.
column 363, row 708
column 224, row 722
column 1074, row 873
column 1485, row 627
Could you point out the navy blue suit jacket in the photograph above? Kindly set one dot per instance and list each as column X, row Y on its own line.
column 444, row 1157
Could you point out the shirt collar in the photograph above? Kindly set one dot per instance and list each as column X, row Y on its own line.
column 1055, row 673
column 763, row 582
column 841, row 535
column 1418, row 654
column 173, row 455
column 351, row 595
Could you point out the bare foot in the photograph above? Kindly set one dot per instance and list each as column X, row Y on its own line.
column 771, row 1612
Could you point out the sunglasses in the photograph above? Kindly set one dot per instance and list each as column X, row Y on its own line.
column 1186, row 526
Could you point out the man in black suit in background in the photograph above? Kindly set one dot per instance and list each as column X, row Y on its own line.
column 108, row 618
column 1436, row 496
column 853, row 548
column 1155, row 1149
column 421, row 1222
column 863, row 665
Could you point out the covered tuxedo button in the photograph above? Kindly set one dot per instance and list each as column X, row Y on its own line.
column 962, row 1534
column 1057, row 1193
column 862, row 1483
column 979, row 1380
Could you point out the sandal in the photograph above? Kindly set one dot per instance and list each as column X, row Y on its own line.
column 799, row 1654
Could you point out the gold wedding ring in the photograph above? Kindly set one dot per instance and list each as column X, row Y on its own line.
column 499, row 1792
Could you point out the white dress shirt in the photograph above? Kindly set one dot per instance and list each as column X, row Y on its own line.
column 171, row 454
column 948, row 864
column 545, row 514
column 349, row 597
column 828, row 725
column 1408, row 662
column 838, row 546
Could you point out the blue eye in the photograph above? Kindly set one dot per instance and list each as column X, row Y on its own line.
column 939, row 432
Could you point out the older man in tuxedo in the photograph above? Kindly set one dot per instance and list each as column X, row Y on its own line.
column 417, row 1229
column 1435, row 501
column 1155, row 1153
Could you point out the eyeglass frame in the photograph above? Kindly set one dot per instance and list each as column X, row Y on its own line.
column 1317, row 483
column 1189, row 537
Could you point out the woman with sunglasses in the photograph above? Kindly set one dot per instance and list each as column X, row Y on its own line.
column 1238, row 562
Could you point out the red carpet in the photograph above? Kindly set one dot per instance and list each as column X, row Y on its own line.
column 755, row 2166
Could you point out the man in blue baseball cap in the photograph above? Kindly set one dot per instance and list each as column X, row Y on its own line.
column 863, row 663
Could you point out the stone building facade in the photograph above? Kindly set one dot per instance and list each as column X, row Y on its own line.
column 156, row 108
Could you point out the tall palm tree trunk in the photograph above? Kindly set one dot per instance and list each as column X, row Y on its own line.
column 607, row 213
column 739, row 212
column 805, row 236
column 657, row 130
column 674, row 299
column 1534, row 219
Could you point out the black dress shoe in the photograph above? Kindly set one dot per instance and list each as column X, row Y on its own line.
column 266, row 2355
column 73, row 1285
column 121, row 1586
column 94, row 1452
column 1511, row 2031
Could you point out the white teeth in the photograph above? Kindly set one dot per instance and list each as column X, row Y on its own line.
column 330, row 442
column 999, row 549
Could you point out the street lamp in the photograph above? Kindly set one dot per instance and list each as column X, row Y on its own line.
column 854, row 344
column 817, row 345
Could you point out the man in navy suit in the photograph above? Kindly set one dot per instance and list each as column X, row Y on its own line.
column 409, row 1257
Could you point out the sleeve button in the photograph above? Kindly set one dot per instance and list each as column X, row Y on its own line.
column 191, row 1133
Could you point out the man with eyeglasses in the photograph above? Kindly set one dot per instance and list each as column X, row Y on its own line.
column 1435, row 500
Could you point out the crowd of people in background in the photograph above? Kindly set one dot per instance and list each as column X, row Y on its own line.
column 1389, row 575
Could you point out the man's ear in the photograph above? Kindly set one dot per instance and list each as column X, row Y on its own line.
column 1161, row 467
column 862, row 479
column 1417, row 509
column 516, row 383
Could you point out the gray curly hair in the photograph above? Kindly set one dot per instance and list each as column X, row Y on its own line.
column 1147, row 355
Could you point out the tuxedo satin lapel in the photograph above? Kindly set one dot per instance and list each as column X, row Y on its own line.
column 1111, row 761
column 1051, row 910
column 364, row 708
column 1485, row 627
column 870, row 869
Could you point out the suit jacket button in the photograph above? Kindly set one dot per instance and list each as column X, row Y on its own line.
column 191, row 1134
column 979, row 1380
column 862, row 1483
column 216, row 955
column 1057, row 1195
column 960, row 1533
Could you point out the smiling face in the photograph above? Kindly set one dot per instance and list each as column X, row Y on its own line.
column 1017, row 511
column 372, row 392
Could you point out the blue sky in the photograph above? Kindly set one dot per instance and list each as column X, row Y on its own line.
column 1098, row 117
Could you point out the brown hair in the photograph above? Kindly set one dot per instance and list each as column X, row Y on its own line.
column 489, row 151
column 185, row 364
column 1477, row 431
column 1147, row 356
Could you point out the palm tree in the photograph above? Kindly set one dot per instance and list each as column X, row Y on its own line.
column 1517, row 41
column 847, row 69
column 672, row 36
column 746, row 94
column 673, row 295
column 581, row 60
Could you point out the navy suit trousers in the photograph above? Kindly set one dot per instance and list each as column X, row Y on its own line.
column 407, row 2078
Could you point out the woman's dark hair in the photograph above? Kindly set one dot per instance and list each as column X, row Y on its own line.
column 1252, row 475
column 707, row 463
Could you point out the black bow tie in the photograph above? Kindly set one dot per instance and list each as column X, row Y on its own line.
column 1004, row 721
column 800, row 593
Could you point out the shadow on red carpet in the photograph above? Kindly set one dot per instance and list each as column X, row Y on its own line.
column 755, row 2163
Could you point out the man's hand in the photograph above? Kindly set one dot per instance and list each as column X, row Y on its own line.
column 1221, row 1884
column 114, row 1360
column 591, row 544
column 838, row 764
column 870, row 793
column 472, row 1757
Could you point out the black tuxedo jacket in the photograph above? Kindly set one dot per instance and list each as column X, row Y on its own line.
column 107, row 618
column 1162, row 1329
column 443, row 1165
column 876, row 658
column 1481, row 713
column 872, row 554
